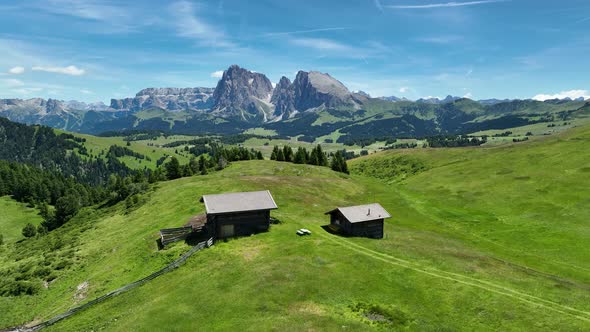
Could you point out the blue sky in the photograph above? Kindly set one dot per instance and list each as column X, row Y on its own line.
column 93, row 50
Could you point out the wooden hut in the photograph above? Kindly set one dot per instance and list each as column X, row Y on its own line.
column 238, row 214
column 361, row 220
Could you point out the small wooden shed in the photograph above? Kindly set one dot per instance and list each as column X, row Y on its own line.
column 238, row 214
column 361, row 220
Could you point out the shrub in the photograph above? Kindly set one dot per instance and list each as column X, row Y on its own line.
column 16, row 288
column 29, row 230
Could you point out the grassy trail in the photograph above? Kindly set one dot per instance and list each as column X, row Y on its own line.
column 466, row 280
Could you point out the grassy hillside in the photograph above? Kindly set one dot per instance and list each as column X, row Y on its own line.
column 480, row 239
column 95, row 145
column 14, row 217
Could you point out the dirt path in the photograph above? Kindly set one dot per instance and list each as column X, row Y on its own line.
column 463, row 279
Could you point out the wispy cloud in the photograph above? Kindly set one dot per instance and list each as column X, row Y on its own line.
column 404, row 89
column 11, row 82
column 321, row 44
column 86, row 92
column 440, row 39
column 297, row 32
column 69, row 70
column 217, row 74
column 84, row 9
column 573, row 94
column 445, row 4
column 189, row 25
column 378, row 5
column 16, row 70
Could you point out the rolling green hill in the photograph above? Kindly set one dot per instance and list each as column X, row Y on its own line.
column 480, row 239
column 14, row 217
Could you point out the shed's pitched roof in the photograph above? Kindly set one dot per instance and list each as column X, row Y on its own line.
column 362, row 213
column 239, row 202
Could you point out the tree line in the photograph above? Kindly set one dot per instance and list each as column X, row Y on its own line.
column 315, row 157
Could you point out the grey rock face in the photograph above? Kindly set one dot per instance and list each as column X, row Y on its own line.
column 283, row 98
column 313, row 89
column 243, row 95
column 171, row 99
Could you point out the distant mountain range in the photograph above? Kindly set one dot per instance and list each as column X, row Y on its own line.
column 314, row 104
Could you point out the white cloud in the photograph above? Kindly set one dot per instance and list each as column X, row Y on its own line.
column 84, row 9
column 442, row 40
column 26, row 91
column 286, row 33
column 404, row 89
column 217, row 74
column 16, row 70
column 321, row 44
column 86, row 92
column 573, row 94
column 69, row 70
column 468, row 95
column 188, row 25
column 445, row 5
column 11, row 82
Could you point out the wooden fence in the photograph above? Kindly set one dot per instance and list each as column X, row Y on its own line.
column 169, row 235
column 167, row 268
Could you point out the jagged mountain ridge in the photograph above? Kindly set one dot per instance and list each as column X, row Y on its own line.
column 313, row 104
column 171, row 99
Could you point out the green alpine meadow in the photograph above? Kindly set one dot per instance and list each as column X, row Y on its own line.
column 227, row 165
column 481, row 238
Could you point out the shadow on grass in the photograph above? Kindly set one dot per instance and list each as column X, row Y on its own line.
column 334, row 230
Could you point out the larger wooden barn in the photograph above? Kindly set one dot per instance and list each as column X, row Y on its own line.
column 361, row 220
column 237, row 214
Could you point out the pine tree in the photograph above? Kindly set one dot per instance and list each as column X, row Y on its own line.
column 338, row 163
column 173, row 170
column 194, row 165
column 344, row 166
column 335, row 164
column 275, row 152
column 300, row 156
column 202, row 165
column 322, row 160
column 280, row 155
column 288, row 153
column 259, row 155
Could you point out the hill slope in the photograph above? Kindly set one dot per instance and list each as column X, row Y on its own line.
column 452, row 258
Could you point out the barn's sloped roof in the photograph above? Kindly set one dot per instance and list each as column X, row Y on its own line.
column 360, row 213
column 239, row 202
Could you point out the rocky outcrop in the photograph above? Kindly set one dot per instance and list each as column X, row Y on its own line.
column 171, row 99
column 243, row 95
column 283, row 98
column 314, row 89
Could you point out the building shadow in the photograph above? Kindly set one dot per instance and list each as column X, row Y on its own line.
column 333, row 229
column 195, row 238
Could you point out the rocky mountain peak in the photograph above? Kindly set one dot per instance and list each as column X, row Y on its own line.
column 171, row 99
column 312, row 89
column 244, row 95
column 283, row 98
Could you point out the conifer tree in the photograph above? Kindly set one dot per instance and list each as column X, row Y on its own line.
column 275, row 152
column 202, row 165
column 280, row 155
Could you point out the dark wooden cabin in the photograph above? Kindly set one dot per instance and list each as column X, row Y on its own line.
column 238, row 214
column 361, row 220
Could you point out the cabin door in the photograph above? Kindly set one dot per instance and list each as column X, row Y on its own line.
column 226, row 231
